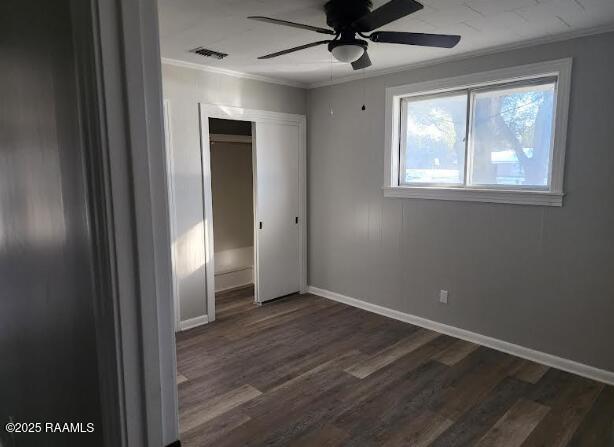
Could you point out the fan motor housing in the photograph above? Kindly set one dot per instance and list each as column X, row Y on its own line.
column 340, row 14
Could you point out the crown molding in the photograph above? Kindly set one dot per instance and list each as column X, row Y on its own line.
column 233, row 73
column 468, row 54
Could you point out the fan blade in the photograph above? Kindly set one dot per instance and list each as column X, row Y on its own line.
column 363, row 62
column 292, row 50
column 420, row 39
column 293, row 25
column 391, row 11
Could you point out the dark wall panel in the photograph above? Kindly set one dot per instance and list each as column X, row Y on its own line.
column 48, row 367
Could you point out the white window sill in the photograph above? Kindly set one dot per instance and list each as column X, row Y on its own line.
column 475, row 195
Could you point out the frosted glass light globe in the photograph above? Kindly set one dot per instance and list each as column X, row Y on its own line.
column 348, row 53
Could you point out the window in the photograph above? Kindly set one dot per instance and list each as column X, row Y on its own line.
column 433, row 140
column 495, row 137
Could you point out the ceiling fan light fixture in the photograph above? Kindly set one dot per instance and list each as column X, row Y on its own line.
column 348, row 19
column 348, row 53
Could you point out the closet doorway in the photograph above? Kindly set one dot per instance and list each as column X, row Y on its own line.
column 232, row 195
column 273, row 256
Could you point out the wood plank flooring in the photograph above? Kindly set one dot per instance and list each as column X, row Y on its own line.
column 307, row 371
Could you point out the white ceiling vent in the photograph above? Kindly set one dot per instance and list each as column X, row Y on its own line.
column 208, row 53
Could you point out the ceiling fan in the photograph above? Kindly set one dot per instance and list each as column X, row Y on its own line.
column 349, row 18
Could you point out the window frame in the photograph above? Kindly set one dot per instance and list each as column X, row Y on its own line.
column 476, row 82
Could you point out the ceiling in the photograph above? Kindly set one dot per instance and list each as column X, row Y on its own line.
column 221, row 25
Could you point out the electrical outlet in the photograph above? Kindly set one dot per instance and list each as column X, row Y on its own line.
column 443, row 296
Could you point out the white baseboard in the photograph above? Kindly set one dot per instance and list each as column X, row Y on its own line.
column 571, row 366
column 193, row 322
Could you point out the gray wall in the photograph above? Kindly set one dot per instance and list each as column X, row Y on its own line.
column 185, row 88
column 48, row 359
column 232, row 190
column 539, row 277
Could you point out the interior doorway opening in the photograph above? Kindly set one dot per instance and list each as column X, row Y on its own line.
column 232, row 194
column 278, row 263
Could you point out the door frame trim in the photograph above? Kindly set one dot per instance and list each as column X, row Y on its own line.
column 119, row 79
column 207, row 111
column 172, row 213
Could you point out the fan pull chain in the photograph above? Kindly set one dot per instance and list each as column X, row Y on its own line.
column 364, row 89
column 330, row 104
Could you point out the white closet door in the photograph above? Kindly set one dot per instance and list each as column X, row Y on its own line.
column 277, row 209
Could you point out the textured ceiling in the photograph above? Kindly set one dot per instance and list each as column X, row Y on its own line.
column 222, row 25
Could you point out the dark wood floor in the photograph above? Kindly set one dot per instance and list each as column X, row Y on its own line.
column 306, row 371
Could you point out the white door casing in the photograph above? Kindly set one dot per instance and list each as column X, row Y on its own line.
column 285, row 125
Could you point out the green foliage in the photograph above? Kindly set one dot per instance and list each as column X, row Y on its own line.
column 519, row 111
